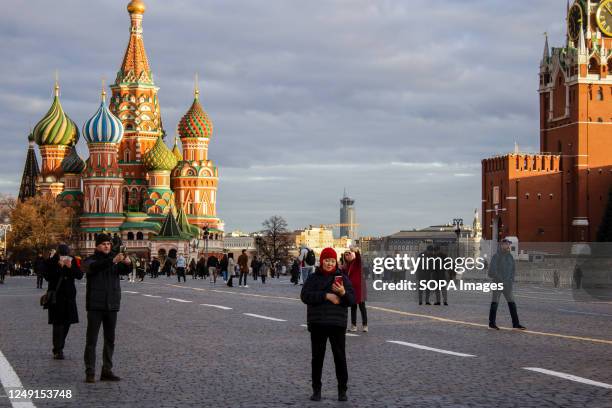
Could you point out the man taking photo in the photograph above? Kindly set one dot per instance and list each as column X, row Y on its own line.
column 102, row 303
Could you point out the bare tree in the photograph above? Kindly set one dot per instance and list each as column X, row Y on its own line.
column 275, row 240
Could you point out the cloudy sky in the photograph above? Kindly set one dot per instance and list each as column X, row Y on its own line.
column 397, row 101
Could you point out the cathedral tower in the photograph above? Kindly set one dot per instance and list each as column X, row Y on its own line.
column 134, row 101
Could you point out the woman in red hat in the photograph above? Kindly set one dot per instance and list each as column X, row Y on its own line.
column 328, row 294
column 351, row 266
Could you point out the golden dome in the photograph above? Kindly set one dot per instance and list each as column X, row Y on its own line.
column 136, row 7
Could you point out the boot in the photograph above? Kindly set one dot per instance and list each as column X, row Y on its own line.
column 493, row 315
column 342, row 394
column 90, row 378
column 109, row 376
column 514, row 316
column 316, row 395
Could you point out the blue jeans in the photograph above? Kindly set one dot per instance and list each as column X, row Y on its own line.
column 306, row 271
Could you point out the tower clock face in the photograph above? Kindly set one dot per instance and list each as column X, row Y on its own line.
column 574, row 22
column 604, row 17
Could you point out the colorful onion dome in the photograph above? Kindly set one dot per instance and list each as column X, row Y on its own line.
column 176, row 151
column 103, row 126
column 56, row 128
column 136, row 7
column 196, row 122
column 72, row 163
column 159, row 157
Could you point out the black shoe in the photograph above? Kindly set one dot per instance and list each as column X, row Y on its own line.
column 58, row 356
column 493, row 326
column 342, row 395
column 437, row 303
column 519, row 327
column 316, row 396
column 420, row 303
column 109, row 376
column 445, row 303
column 90, row 378
column 427, row 303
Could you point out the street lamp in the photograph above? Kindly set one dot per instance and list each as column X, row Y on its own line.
column 5, row 227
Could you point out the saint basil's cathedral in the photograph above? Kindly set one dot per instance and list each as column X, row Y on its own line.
column 154, row 198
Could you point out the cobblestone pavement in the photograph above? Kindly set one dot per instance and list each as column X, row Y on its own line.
column 192, row 345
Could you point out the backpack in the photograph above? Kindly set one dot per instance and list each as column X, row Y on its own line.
column 310, row 259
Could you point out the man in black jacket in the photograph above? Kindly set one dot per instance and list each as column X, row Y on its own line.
column 102, row 303
column 328, row 294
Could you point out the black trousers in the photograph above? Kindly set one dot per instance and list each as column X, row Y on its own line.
column 60, row 331
column 318, row 340
column 39, row 281
column 364, row 314
column 243, row 274
column 108, row 320
column 263, row 279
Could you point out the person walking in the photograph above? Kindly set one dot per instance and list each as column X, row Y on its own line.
column 307, row 260
column 352, row 267
column 424, row 275
column 3, row 268
column 193, row 269
column 263, row 268
column 501, row 270
column 154, row 268
column 440, row 274
column 328, row 294
column 213, row 269
column 60, row 271
column 181, row 264
column 578, row 277
column 295, row 272
column 223, row 265
column 256, row 266
column 201, row 267
column 39, row 270
column 102, row 302
column 231, row 269
column 243, row 263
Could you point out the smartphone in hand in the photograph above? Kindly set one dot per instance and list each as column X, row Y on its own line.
column 339, row 281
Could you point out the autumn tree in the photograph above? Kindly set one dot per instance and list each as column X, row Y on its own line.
column 38, row 224
column 274, row 241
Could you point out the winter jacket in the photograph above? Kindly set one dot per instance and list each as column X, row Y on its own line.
column 103, row 287
column 320, row 311
column 64, row 311
column 243, row 262
column 501, row 268
column 354, row 271
column 212, row 262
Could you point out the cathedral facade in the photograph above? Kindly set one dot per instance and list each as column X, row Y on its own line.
column 154, row 198
column 560, row 193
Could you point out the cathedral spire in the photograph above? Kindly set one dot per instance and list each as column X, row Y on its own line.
column 135, row 66
column 31, row 172
column 546, row 53
column 196, row 88
column 582, row 50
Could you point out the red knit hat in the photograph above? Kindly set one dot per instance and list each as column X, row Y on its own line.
column 326, row 254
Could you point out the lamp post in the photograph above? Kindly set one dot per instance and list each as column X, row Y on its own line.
column 5, row 227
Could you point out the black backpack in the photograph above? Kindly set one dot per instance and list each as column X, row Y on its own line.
column 310, row 259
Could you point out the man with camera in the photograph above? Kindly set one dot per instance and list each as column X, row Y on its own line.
column 102, row 302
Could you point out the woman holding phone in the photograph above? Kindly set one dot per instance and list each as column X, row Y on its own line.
column 353, row 269
column 328, row 294
column 60, row 271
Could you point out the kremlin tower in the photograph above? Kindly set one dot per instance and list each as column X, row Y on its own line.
column 155, row 198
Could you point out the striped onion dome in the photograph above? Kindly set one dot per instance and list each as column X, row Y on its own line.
column 103, row 126
column 56, row 128
column 176, row 151
column 72, row 163
column 159, row 157
column 196, row 122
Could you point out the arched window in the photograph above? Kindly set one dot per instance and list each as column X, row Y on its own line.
column 130, row 236
column 594, row 66
column 139, row 236
column 600, row 95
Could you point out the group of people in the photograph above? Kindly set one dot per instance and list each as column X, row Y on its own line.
column 432, row 270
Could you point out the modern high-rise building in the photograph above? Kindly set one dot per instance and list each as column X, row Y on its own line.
column 347, row 217
column 559, row 193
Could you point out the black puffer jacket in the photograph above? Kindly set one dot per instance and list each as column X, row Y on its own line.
column 103, row 287
column 320, row 311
